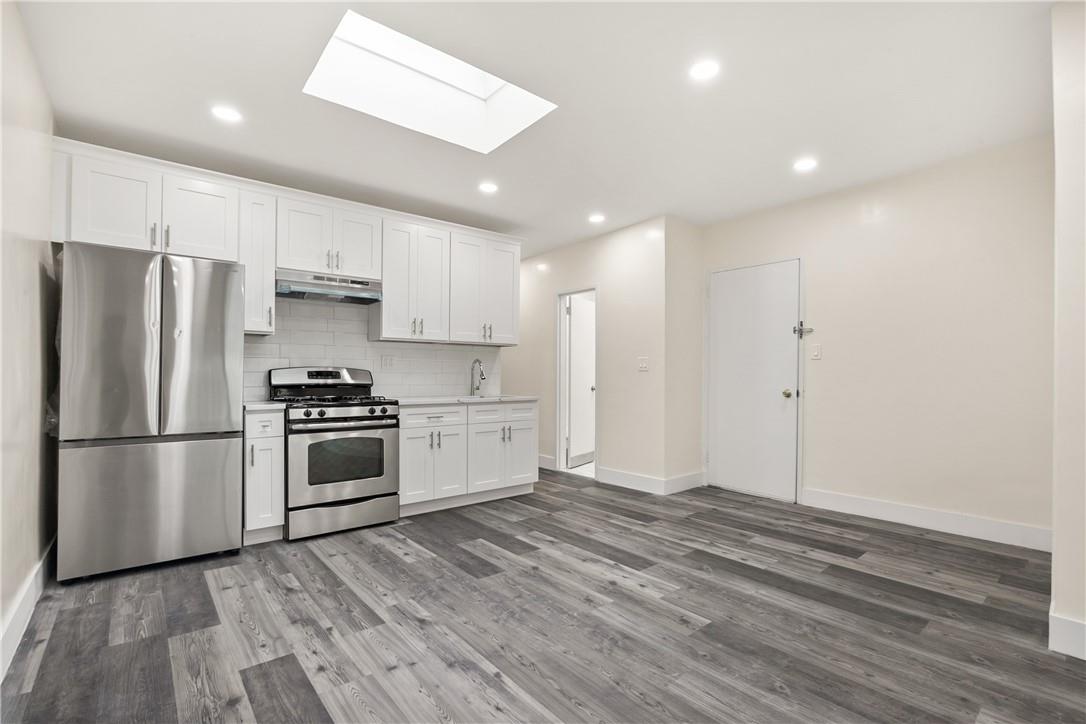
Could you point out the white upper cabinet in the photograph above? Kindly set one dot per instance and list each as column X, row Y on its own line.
column 356, row 242
column 304, row 236
column 484, row 297
column 199, row 218
column 116, row 204
column 256, row 251
column 415, row 284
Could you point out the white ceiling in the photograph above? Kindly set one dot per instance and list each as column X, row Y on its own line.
column 871, row 89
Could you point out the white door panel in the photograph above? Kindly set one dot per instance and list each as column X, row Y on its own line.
column 199, row 218
column 466, row 258
column 256, row 250
column 522, row 453
column 431, row 289
column 486, row 457
column 356, row 242
column 582, row 378
column 416, row 465
column 264, row 480
column 450, row 461
column 116, row 204
column 501, row 300
column 304, row 236
column 396, row 313
column 754, row 363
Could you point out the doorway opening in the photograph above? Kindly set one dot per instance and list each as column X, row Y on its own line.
column 577, row 383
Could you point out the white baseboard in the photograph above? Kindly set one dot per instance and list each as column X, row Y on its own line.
column 456, row 501
column 18, row 618
column 946, row 521
column 1066, row 635
column 548, row 461
column 649, row 483
column 262, row 535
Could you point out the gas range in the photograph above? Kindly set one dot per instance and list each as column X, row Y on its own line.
column 342, row 449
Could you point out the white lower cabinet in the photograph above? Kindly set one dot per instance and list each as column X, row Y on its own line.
column 498, row 448
column 264, row 480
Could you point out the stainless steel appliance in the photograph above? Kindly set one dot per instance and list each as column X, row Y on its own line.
column 327, row 287
column 150, row 408
column 343, row 464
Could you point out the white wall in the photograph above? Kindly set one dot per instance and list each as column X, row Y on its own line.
column 685, row 281
column 29, row 305
column 1068, row 622
column 335, row 334
column 931, row 295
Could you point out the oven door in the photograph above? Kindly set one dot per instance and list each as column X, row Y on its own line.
column 329, row 466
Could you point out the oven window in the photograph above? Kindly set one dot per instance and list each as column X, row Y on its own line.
column 346, row 458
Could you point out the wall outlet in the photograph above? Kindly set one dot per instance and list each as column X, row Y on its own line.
column 388, row 362
column 642, row 364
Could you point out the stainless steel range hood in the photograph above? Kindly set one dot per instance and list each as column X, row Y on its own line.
column 326, row 287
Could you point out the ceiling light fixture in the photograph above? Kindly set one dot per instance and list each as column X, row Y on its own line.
column 597, row 219
column 704, row 70
column 226, row 114
column 371, row 68
column 541, row 267
column 488, row 187
column 805, row 164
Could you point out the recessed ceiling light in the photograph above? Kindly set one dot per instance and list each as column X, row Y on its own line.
column 488, row 187
column 596, row 219
column 226, row 114
column 704, row 69
column 805, row 164
column 374, row 69
column 542, row 267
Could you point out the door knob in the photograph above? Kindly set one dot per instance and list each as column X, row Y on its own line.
column 786, row 392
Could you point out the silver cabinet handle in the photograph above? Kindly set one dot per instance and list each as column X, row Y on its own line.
column 337, row 260
column 269, row 315
column 503, row 433
column 413, row 325
column 328, row 258
column 252, row 455
column 435, row 417
column 431, row 440
column 786, row 392
column 490, row 334
column 154, row 234
column 439, row 438
column 421, row 323
column 166, row 235
column 510, row 433
column 484, row 330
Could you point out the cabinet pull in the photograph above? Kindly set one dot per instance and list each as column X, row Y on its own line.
column 439, row 439
column 503, row 433
column 490, row 333
column 484, row 330
column 154, row 234
column 269, row 315
column 413, row 325
column 166, row 235
column 421, row 323
column 337, row 261
column 434, row 417
column 328, row 258
column 252, row 455
column 431, row 440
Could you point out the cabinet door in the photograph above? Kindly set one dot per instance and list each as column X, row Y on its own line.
column 398, row 239
column 416, row 465
column 430, row 267
column 303, row 239
column 264, row 493
column 116, row 204
column 486, row 457
column 256, row 250
column 466, row 255
column 451, row 461
column 501, row 300
column 521, row 453
column 356, row 244
column 199, row 218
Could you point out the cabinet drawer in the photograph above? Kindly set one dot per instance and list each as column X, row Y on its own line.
column 264, row 424
column 486, row 413
column 521, row 411
column 433, row 416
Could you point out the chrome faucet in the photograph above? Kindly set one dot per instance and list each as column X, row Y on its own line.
column 482, row 376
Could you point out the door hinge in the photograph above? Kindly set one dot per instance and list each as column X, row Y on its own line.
column 568, row 309
column 800, row 330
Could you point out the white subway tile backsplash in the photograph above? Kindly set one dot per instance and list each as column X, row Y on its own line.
column 329, row 334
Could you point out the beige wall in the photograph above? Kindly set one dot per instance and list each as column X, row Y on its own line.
column 1069, row 440
column 931, row 295
column 684, row 313
column 626, row 268
column 29, row 300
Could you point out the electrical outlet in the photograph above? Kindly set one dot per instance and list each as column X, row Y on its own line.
column 388, row 362
column 642, row 364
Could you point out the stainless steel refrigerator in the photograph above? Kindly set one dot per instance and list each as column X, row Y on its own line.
column 150, row 408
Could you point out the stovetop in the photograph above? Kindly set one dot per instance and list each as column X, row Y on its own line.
column 334, row 400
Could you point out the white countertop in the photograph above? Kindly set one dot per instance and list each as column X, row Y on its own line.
column 464, row 400
column 264, row 406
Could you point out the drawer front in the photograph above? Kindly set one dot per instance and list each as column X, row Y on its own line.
column 264, row 424
column 434, row 416
column 521, row 411
column 478, row 414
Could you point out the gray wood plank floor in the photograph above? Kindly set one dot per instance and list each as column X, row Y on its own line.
column 578, row 603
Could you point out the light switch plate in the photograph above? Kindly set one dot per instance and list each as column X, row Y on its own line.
column 816, row 351
column 642, row 364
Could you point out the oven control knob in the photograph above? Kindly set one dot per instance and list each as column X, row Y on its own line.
column 384, row 410
column 321, row 413
column 373, row 411
column 308, row 413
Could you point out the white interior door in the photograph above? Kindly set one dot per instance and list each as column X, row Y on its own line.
column 582, row 378
column 753, row 411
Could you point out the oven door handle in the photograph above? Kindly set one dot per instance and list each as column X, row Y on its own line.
column 347, row 425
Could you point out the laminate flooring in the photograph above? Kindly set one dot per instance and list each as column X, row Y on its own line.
column 577, row 603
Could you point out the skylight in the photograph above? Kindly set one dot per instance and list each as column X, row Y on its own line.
column 371, row 68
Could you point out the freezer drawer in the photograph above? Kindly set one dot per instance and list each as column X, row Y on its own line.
column 137, row 503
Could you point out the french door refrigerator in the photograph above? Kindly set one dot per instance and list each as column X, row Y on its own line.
column 150, row 408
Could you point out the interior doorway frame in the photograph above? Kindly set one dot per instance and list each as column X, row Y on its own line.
column 561, row 406
column 801, row 375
